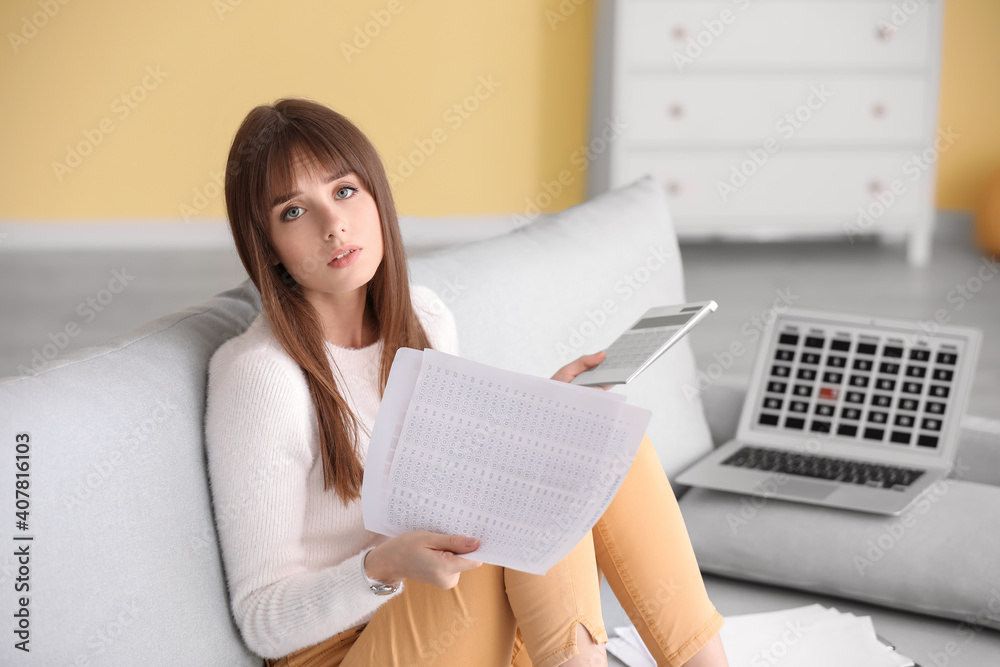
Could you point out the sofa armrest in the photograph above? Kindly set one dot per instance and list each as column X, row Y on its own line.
column 978, row 457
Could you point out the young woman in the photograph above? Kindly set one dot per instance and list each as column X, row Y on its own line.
column 291, row 403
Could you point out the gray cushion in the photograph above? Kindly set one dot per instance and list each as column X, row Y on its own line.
column 125, row 567
column 939, row 557
column 567, row 285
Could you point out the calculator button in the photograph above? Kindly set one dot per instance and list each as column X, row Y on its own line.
column 768, row 420
column 907, row 404
column 947, row 358
column 840, row 345
column 892, row 351
column 836, row 362
column 813, row 341
column 784, row 355
column 789, row 339
column 874, row 433
column 773, row 403
column 877, row 417
column 881, row 400
column 885, row 385
column 850, row 413
column 939, row 391
column 810, row 358
column 824, row 409
column 900, row 437
column 777, row 387
column 806, row 374
column 943, row 375
column 934, row 408
column 820, row 426
column 888, row 368
column 794, row 422
column 931, row 424
column 798, row 406
column 915, row 371
column 854, row 397
column 912, row 387
column 920, row 355
column 859, row 380
column 828, row 393
column 866, row 348
column 802, row 390
column 862, row 365
column 833, row 378
column 927, row 441
column 780, row 371
column 904, row 420
column 847, row 429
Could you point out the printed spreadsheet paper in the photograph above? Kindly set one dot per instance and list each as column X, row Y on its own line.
column 526, row 464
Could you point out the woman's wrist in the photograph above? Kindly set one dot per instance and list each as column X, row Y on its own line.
column 376, row 568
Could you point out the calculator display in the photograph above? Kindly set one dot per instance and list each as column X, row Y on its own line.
column 663, row 321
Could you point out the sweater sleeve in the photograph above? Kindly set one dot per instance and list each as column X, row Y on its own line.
column 437, row 319
column 257, row 433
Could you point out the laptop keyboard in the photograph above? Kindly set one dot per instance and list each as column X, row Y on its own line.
column 824, row 467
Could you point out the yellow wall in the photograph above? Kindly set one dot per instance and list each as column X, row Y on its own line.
column 63, row 84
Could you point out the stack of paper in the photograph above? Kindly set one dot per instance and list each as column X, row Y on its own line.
column 812, row 636
column 527, row 465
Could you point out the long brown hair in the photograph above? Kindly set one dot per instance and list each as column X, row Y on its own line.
column 260, row 166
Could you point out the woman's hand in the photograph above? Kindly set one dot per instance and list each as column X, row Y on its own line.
column 421, row 555
column 584, row 363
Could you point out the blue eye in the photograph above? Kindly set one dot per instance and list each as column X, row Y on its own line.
column 285, row 214
column 347, row 187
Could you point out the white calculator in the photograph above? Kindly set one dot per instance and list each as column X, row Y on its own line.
column 653, row 334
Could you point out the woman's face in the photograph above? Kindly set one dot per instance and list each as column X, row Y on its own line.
column 323, row 217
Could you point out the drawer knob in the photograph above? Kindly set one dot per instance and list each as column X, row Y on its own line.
column 675, row 110
column 673, row 187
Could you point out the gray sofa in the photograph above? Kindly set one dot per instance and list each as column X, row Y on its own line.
column 124, row 565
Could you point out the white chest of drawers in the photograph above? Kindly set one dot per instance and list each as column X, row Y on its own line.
column 772, row 119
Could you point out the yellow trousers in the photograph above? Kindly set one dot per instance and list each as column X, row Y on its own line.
column 501, row 617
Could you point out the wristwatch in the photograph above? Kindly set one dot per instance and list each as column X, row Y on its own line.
column 377, row 586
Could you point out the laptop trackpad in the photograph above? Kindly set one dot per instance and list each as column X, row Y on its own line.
column 803, row 489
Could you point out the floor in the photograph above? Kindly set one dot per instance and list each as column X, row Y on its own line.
column 59, row 301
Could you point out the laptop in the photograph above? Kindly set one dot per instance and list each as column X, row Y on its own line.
column 848, row 411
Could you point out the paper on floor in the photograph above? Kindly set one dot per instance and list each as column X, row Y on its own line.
column 811, row 636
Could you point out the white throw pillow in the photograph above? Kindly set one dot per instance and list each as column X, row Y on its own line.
column 568, row 284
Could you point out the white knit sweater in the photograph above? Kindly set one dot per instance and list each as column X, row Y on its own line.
column 292, row 551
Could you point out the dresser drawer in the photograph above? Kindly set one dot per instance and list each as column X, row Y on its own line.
column 671, row 110
column 789, row 185
column 783, row 35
